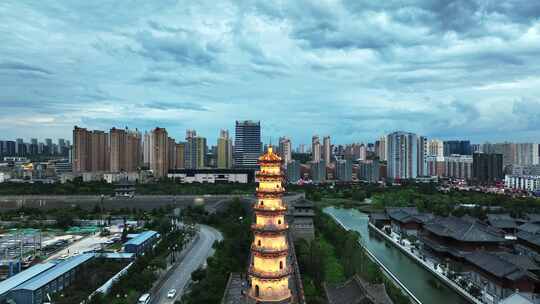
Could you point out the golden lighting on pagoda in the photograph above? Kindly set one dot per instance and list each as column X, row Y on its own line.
column 270, row 269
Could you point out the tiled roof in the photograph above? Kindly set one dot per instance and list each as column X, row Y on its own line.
column 516, row 298
column 357, row 291
column 408, row 214
column 529, row 237
column 533, row 217
column 270, row 156
column 497, row 265
column 379, row 216
column 463, row 230
column 530, row 227
column 501, row 221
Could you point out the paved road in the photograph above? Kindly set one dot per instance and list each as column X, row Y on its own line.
column 193, row 260
column 85, row 244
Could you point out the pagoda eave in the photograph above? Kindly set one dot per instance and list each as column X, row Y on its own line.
column 276, row 276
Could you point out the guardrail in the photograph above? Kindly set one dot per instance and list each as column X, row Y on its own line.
column 385, row 269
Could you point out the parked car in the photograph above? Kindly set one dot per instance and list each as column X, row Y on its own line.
column 171, row 293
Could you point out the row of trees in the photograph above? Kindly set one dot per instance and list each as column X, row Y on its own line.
column 162, row 187
column 231, row 254
column 143, row 273
column 448, row 203
column 334, row 256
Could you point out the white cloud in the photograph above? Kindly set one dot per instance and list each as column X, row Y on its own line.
column 353, row 69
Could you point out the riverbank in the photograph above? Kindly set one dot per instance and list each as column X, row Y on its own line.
column 386, row 272
column 427, row 264
column 414, row 277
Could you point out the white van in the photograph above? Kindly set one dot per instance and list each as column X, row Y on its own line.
column 144, row 299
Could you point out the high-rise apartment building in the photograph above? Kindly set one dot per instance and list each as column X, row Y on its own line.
column 436, row 147
column 460, row 147
column 99, row 160
column 224, row 150
column 327, row 149
column 318, row 171
column 147, row 148
column 380, row 148
column 402, row 155
column 247, row 143
column 487, row 168
column 160, row 151
column 293, row 171
column 125, row 150
column 344, row 170
column 360, row 152
column 117, row 142
column 195, row 151
column 526, row 154
column 180, row 153
column 172, row 153
column 285, row 150
column 315, row 149
column 81, row 150
column 423, row 152
column 369, row 171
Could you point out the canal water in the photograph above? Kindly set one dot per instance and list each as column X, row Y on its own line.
column 418, row 280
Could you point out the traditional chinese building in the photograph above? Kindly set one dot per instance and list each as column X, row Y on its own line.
column 270, row 268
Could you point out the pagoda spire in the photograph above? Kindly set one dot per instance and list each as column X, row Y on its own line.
column 270, row 268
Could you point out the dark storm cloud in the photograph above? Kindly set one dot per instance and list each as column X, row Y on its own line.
column 23, row 67
column 184, row 47
column 352, row 68
column 160, row 105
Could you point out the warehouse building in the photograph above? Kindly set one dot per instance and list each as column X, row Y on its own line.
column 140, row 243
column 8, row 284
column 48, row 282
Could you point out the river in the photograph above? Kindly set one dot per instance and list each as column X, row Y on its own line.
column 418, row 280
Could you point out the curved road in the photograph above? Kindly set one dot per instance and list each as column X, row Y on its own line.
column 194, row 259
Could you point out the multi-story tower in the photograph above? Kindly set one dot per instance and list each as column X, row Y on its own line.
column 98, row 151
column 436, row 147
column 224, row 150
column 195, row 150
column 147, row 148
column 180, row 152
column 402, row 155
column 285, row 149
column 327, row 149
column 117, row 140
column 81, row 150
column 422, row 155
column 160, row 151
column 269, row 270
column 315, row 149
column 247, row 143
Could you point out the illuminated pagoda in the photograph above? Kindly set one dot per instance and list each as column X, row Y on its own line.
column 270, row 269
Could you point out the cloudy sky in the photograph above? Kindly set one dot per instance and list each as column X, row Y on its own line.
column 352, row 69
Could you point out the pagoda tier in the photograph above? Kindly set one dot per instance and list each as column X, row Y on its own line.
column 270, row 269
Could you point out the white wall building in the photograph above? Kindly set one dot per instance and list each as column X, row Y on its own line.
column 211, row 176
column 526, row 182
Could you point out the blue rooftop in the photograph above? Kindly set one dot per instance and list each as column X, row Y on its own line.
column 45, row 277
column 119, row 255
column 23, row 276
column 141, row 238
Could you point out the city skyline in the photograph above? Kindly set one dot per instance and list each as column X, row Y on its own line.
column 450, row 71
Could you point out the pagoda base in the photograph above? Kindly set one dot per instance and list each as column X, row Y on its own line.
column 252, row 300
